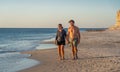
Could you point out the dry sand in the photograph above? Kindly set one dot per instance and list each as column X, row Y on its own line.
column 98, row 52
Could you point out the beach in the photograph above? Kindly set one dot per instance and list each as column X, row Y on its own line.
column 33, row 32
column 98, row 51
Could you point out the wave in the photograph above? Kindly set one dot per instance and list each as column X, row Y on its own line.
column 12, row 62
column 46, row 46
column 49, row 40
column 18, row 46
column 11, row 43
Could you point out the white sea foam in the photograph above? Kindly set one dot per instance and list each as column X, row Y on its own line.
column 12, row 62
column 48, row 40
column 46, row 46
column 22, row 45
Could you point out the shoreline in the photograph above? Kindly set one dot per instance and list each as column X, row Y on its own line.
column 98, row 51
column 33, row 53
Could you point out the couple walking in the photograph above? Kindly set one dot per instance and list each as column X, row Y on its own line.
column 72, row 37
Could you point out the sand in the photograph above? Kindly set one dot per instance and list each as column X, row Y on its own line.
column 98, row 52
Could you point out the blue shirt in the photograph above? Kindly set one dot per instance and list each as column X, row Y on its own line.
column 60, row 36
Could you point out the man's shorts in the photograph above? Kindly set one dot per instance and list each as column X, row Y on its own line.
column 74, row 42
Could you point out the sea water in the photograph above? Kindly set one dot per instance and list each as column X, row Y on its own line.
column 16, row 40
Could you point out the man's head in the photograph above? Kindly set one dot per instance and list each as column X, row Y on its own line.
column 60, row 26
column 72, row 22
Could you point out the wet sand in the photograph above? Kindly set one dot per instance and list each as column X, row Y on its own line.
column 98, row 51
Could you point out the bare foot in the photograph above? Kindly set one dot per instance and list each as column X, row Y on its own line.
column 73, row 58
column 59, row 58
column 63, row 58
column 76, row 57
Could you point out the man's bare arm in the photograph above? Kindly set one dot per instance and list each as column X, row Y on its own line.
column 67, row 37
column 79, row 36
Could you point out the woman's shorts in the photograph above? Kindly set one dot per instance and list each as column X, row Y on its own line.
column 60, row 42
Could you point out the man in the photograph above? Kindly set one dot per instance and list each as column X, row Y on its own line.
column 73, row 38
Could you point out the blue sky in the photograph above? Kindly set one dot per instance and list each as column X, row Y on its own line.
column 49, row 13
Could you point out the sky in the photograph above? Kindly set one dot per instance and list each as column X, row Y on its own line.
column 49, row 13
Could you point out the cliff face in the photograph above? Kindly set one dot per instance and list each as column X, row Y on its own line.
column 117, row 25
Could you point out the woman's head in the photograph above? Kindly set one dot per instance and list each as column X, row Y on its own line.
column 60, row 26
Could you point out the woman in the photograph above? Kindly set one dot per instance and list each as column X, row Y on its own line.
column 60, row 41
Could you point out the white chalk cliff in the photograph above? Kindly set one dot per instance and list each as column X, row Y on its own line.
column 117, row 25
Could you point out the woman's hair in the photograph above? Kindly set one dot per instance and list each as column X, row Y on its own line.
column 60, row 25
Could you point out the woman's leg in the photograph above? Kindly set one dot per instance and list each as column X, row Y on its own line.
column 59, row 51
column 62, row 51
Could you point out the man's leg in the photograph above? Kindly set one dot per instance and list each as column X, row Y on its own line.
column 76, row 51
column 75, row 48
column 73, row 52
column 62, row 51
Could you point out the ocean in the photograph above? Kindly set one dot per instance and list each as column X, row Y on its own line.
column 16, row 40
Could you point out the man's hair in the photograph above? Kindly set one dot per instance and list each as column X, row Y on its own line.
column 72, row 21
